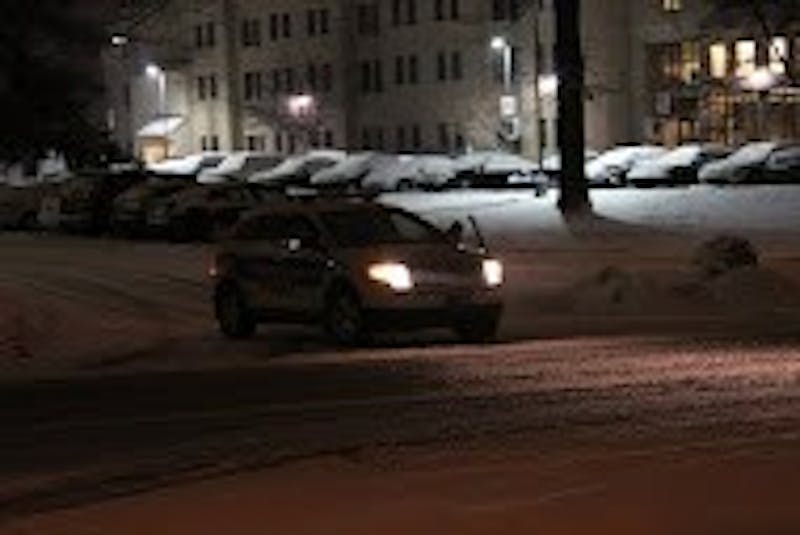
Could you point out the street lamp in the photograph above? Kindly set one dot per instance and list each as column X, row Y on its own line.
column 155, row 73
column 119, row 39
column 501, row 45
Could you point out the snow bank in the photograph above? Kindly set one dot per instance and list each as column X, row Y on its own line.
column 614, row 291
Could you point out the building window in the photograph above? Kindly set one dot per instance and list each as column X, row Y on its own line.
column 441, row 66
column 412, row 11
column 311, row 77
column 395, row 12
column 274, row 32
column 251, row 32
column 368, row 19
column 256, row 143
column 287, row 25
column 212, row 86
column 378, row 73
column 205, row 35
column 455, row 9
column 745, row 57
column 202, row 90
column 252, row 86
column 327, row 78
column 366, row 76
column 276, row 81
column 444, row 137
column 416, row 137
column 311, row 22
column 211, row 35
column 438, row 10
column 718, row 60
column 672, row 6
column 690, row 61
column 507, row 10
column 413, row 70
column 456, row 66
column 399, row 70
column 209, row 143
column 288, row 74
column 400, row 139
column 779, row 55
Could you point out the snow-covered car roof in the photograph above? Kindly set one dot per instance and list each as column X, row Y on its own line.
column 295, row 164
column 353, row 167
column 431, row 169
column 188, row 165
column 683, row 156
column 621, row 157
column 748, row 155
column 494, row 162
column 233, row 164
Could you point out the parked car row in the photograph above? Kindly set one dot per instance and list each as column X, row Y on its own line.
column 772, row 162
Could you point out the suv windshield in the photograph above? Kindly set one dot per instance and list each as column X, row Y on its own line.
column 374, row 227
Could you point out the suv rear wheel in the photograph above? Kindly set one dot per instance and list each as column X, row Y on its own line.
column 235, row 319
column 344, row 319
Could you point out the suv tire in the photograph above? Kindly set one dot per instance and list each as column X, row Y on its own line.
column 477, row 327
column 344, row 318
column 235, row 319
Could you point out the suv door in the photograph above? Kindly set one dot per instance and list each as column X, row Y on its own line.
column 281, row 264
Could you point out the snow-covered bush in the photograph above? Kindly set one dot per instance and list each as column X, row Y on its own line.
column 724, row 254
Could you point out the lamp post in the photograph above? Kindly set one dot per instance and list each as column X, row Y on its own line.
column 509, row 107
column 155, row 73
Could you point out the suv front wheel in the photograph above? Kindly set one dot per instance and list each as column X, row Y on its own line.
column 235, row 319
column 344, row 318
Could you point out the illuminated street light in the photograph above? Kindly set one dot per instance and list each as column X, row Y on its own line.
column 761, row 80
column 548, row 84
column 153, row 71
column 119, row 39
column 499, row 43
column 301, row 105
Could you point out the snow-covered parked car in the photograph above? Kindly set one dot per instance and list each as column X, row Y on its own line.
column 495, row 169
column 406, row 172
column 189, row 166
column 201, row 212
column 746, row 165
column 783, row 166
column 611, row 168
column 238, row 167
column 349, row 173
column 677, row 167
column 552, row 163
column 298, row 170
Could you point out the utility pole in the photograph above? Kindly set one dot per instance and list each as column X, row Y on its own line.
column 574, row 201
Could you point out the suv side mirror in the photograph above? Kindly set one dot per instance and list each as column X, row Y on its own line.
column 455, row 233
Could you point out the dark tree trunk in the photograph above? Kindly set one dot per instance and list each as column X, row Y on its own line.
column 574, row 199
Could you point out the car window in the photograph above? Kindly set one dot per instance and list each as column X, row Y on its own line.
column 363, row 228
column 278, row 228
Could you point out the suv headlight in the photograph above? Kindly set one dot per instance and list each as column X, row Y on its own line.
column 492, row 272
column 395, row 275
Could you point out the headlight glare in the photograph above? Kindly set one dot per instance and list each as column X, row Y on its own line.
column 493, row 273
column 396, row 276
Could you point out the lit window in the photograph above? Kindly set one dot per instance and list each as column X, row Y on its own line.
column 778, row 55
column 745, row 58
column 672, row 5
column 690, row 61
column 718, row 60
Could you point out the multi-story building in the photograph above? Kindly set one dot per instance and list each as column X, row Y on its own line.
column 437, row 75
column 403, row 75
column 718, row 70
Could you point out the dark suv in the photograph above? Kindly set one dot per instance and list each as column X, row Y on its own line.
column 355, row 267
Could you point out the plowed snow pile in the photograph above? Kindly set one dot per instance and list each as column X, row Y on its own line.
column 616, row 291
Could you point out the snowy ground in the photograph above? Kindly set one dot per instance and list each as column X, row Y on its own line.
column 627, row 395
column 73, row 304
